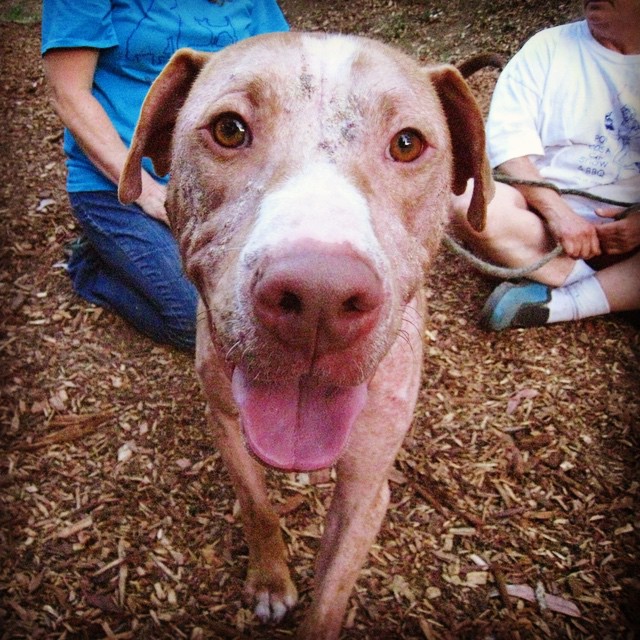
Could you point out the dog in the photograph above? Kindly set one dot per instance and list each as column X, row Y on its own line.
column 310, row 184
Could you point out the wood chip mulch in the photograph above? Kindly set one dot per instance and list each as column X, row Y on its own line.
column 515, row 501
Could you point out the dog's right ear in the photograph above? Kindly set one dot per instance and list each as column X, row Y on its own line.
column 154, row 131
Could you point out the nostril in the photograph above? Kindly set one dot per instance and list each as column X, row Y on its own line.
column 352, row 305
column 290, row 303
column 362, row 302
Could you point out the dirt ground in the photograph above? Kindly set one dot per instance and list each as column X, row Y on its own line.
column 515, row 499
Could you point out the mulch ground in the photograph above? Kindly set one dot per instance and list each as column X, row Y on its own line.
column 515, row 499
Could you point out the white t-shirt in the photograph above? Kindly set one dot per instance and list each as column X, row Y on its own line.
column 573, row 107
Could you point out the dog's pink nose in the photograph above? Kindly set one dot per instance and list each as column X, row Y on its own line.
column 318, row 299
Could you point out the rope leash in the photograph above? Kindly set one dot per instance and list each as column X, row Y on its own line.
column 504, row 273
column 508, row 273
column 629, row 206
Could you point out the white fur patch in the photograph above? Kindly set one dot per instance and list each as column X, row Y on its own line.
column 318, row 204
column 330, row 58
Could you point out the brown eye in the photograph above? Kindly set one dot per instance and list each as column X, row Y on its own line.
column 229, row 130
column 407, row 145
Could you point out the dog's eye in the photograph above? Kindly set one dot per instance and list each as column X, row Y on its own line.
column 407, row 145
column 229, row 130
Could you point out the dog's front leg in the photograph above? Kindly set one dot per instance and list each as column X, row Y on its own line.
column 351, row 528
column 268, row 583
column 361, row 495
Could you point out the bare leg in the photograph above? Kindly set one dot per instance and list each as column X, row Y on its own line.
column 621, row 284
column 513, row 237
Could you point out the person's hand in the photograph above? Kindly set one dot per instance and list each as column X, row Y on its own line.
column 619, row 236
column 578, row 237
column 152, row 199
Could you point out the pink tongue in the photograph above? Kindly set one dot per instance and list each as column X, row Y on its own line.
column 296, row 425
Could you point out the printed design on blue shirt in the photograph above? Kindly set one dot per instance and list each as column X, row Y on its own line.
column 626, row 129
column 595, row 164
column 141, row 46
column 617, row 150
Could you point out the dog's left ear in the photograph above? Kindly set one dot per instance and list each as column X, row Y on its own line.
column 466, row 128
column 154, row 131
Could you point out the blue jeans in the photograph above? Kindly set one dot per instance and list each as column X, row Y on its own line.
column 129, row 263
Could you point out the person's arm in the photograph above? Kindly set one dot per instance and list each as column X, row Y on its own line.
column 69, row 74
column 578, row 237
column 620, row 236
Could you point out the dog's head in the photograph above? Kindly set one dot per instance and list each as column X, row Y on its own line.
column 310, row 181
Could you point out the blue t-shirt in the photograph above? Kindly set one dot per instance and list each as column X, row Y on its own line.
column 136, row 38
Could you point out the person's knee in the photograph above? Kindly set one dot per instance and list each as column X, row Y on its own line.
column 460, row 205
column 507, row 217
column 460, row 224
column 179, row 331
column 183, row 338
column 180, row 320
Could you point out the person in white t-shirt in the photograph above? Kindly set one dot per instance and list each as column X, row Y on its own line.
column 566, row 110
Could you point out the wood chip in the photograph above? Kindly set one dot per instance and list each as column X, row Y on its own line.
column 73, row 529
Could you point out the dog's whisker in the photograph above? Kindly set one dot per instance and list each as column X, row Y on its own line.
column 231, row 349
column 401, row 334
column 414, row 325
column 417, row 322
column 415, row 311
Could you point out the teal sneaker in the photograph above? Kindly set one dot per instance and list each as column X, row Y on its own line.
column 524, row 304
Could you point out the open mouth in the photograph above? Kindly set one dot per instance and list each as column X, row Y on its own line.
column 296, row 425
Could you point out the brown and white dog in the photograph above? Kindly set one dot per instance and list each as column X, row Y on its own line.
column 310, row 184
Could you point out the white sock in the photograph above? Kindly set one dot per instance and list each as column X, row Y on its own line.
column 582, row 299
column 580, row 270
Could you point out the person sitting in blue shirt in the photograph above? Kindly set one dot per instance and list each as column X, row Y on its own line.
column 100, row 58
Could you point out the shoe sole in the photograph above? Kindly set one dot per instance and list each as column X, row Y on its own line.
column 523, row 315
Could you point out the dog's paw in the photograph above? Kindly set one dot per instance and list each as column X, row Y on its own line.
column 273, row 595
